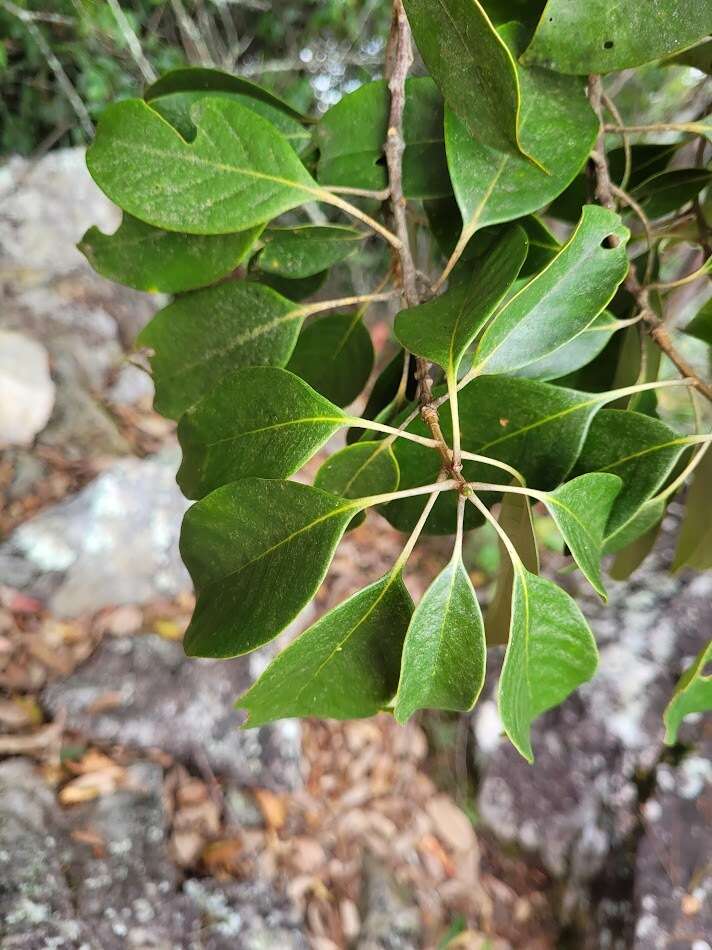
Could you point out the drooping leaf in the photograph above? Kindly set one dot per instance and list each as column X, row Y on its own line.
column 148, row 258
column 576, row 353
column 558, row 127
column 352, row 133
column 444, row 655
column 202, row 335
column 693, row 694
column 694, row 544
column 248, row 538
column 668, row 191
column 597, row 36
column 308, row 249
column 550, row 652
column 537, row 428
column 472, row 66
column 581, row 508
column 442, row 329
column 359, row 470
column 640, row 450
column 335, row 355
column 701, row 324
column 345, row 666
column 238, row 171
column 256, row 421
column 515, row 518
column 561, row 301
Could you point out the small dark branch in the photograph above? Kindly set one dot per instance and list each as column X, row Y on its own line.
column 604, row 192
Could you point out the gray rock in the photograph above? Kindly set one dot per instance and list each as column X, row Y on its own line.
column 115, row 542
column 391, row 920
column 56, row 892
column 26, row 390
column 182, row 706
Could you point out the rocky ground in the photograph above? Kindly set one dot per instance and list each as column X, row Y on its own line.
column 133, row 811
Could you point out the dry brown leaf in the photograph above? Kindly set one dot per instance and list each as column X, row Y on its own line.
column 186, row 847
column 223, row 857
column 451, row 823
column 272, row 807
column 87, row 787
column 105, row 702
column 121, row 621
column 91, row 838
column 37, row 743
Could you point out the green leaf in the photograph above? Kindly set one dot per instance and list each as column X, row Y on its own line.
column 632, row 555
column 385, row 399
column 694, row 544
column 640, row 450
column 442, row 329
column 256, row 421
column 472, row 66
column 298, row 289
column 352, row 133
column 543, row 245
column 551, row 652
column 445, row 653
column 203, row 335
column 701, row 324
column 148, row 258
column 693, row 694
column 335, row 356
column 537, row 428
column 581, row 508
column 668, row 191
column 308, row 249
column 645, row 518
column 699, row 57
column 576, row 353
column 515, row 519
column 345, row 666
column 558, row 126
column 561, row 301
column 246, row 539
column 359, row 470
column 597, row 36
column 237, row 173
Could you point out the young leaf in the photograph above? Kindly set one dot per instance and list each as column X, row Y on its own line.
column 561, row 301
column 694, row 545
column 576, row 353
column 351, row 135
column 201, row 336
column 248, row 538
column 600, row 37
column 256, row 421
column 472, row 66
column 581, row 508
column 335, row 356
column 558, row 126
column 359, row 470
column 515, row 519
column 442, row 329
column 701, row 324
column 345, row 666
column 693, row 694
column 148, row 258
column 551, row 652
column 237, row 173
column 444, row 655
column 308, row 249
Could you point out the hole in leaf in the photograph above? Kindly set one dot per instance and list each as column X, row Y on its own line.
column 610, row 241
column 608, row 44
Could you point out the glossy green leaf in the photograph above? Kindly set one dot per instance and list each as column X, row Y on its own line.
column 515, row 518
column 472, row 66
column 352, row 133
column 203, row 335
column 442, row 329
column 701, row 324
column 558, row 126
column 308, row 249
column 693, row 694
column 345, row 666
column 148, row 258
column 445, row 653
column 300, row 288
column 581, row 509
column 576, row 353
column 543, row 245
column 551, row 652
column 248, row 538
column 668, row 191
column 256, row 421
column 237, row 173
column 359, row 470
column 537, row 428
column 694, row 544
column 597, row 36
column 561, row 301
column 335, row 355
column 640, row 450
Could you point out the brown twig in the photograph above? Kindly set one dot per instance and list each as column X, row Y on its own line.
column 603, row 190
